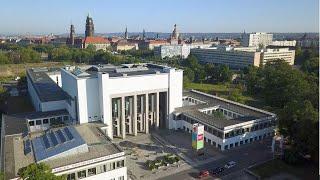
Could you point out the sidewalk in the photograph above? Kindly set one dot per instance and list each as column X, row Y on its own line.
column 179, row 152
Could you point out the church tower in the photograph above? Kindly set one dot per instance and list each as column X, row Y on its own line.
column 126, row 34
column 143, row 34
column 72, row 33
column 174, row 36
column 89, row 27
column 175, row 33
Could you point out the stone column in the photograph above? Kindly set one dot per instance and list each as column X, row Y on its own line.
column 130, row 114
column 147, row 114
column 123, row 120
column 134, row 115
column 157, row 110
column 118, row 119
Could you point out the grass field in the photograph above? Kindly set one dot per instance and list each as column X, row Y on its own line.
column 224, row 91
column 8, row 71
column 275, row 167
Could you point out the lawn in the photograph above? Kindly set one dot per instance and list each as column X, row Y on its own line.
column 12, row 70
column 223, row 90
column 274, row 167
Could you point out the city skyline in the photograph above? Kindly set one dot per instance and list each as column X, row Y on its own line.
column 44, row 17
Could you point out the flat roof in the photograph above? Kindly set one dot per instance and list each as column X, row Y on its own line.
column 45, row 87
column 117, row 71
column 98, row 146
column 247, row 113
column 17, row 123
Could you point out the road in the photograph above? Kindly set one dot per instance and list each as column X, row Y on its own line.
column 244, row 156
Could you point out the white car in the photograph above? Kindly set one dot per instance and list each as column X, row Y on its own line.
column 230, row 164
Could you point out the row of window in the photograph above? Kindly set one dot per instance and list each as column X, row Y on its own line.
column 97, row 170
column 230, row 146
column 233, row 133
column 53, row 120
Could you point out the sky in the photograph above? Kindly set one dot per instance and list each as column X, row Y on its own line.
column 211, row 16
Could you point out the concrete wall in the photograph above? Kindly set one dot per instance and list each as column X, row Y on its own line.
column 53, row 105
column 56, row 77
column 33, row 96
column 175, row 84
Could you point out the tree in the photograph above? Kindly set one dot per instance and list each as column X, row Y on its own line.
column 225, row 74
column 188, row 75
column 37, row 171
column 300, row 122
column 311, row 66
column 4, row 58
column 191, row 62
column 282, row 84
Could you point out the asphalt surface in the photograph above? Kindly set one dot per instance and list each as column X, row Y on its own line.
column 244, row 156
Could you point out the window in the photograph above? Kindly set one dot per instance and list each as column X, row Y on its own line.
column 121, row 178
column 71, row 176
column 45, row 121
column 82, row 174
column 65, row 118
column 38, row 122
column 92, row 171
column 104, row 168
column 113, row 166
column 31, row 123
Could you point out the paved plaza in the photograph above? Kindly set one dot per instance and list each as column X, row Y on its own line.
column 139, row 149
column 157, row 144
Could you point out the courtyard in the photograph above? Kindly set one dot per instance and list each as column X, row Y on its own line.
column 142, row 148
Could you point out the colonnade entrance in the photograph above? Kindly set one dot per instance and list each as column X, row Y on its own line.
column 139, row 113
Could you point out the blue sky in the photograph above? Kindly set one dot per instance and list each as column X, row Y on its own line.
column 55, row 16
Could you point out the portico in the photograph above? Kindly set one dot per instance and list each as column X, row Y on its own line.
column 138, row 113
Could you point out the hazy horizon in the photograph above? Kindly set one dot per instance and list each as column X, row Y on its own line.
column 205, row 16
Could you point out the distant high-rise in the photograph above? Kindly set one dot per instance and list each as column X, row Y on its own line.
column 258, row 39
column 72, row 32
column 126, row 34
column 89, row 27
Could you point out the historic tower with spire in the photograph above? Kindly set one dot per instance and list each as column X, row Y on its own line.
column 72, row 32
column 89, row 27
column 126, row 34
column 143, row 34
column 174, row 36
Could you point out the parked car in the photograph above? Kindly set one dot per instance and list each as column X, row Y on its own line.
column 218, row 170
column 203, row 174
column 230, row 164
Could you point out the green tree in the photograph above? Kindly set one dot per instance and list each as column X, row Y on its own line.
column 311, row 65
column 188, row 75
column 225, row 74
column 282, row 84
column 28, row 55
column 4, row 58
column 300, row 121
column 36, row 171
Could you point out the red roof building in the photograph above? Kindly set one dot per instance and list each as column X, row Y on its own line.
column 98, row 42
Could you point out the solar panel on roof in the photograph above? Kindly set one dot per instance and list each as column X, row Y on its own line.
column 61, row 136
column 24, row 134
column 46, row 141
column 53, row 139
column 68, row 133
column 27, row 150
column 27, row 143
